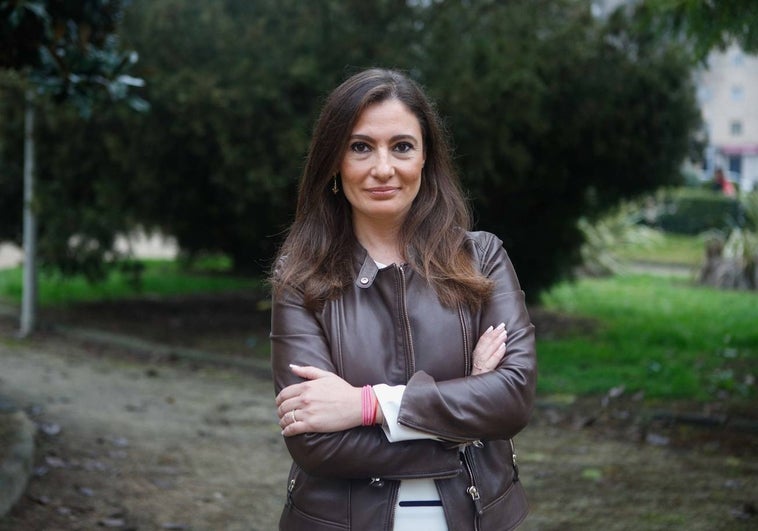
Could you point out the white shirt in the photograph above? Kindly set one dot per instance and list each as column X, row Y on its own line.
column 410, row 514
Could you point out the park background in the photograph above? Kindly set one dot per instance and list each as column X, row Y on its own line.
column 579, row 140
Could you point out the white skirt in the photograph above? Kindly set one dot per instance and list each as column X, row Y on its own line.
column 418, row 507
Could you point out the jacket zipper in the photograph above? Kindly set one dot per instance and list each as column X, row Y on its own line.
column 410, row 355
column 466, row 352
column 394, row 493
column 473, row 490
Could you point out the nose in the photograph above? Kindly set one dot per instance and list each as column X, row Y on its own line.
column 383, row 168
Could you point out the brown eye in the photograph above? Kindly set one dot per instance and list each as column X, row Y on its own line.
column 359, row 147
column 403, row 147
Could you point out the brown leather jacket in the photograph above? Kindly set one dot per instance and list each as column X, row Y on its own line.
column 389, row 327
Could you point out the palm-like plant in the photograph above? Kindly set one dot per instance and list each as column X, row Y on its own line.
column 741, row 245
column 622, row 226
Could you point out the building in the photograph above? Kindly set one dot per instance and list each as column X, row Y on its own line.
column 727, row 90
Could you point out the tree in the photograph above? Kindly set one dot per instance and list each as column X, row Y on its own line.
column 709, row 25
column 66, row 50
column 234, row 87
column 556, row 115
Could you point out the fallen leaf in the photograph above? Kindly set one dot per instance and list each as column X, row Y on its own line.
column 594, row 474
column 657, row 440
column 112, row 522
column 55, row 462
column 49, row 428
column 174, row 526
column 119, row 442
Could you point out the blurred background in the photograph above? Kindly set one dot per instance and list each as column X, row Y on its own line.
column 149, row 158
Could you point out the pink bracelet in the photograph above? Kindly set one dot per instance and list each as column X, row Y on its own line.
column 368, row 406
column 376, row 406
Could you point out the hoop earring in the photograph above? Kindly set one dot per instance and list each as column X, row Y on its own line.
column 335, row 188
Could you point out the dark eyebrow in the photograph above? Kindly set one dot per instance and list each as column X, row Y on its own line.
column 396, row 138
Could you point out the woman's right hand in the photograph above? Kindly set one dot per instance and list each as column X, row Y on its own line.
column 489, row 350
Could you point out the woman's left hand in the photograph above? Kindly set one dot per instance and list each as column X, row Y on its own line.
column 489, row 350
column 324, row 403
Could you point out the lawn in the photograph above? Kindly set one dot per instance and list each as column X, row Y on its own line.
column 657, row 334
column 660, row 334
column 159, row 278
column 666, row 248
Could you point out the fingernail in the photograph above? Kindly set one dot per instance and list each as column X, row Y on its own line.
column 489, row 329
column 501, row 326
column 293, row 366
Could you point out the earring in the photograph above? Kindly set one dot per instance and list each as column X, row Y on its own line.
column 335, row 188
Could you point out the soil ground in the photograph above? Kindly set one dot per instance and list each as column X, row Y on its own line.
column 143, row 442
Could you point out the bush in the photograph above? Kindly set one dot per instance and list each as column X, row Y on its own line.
column 604, row 237
column 692, row 211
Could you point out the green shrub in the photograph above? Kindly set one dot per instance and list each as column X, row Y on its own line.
column 692, row 211
column 604, row 237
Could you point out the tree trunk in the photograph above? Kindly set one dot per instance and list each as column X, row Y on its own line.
column 29, row 297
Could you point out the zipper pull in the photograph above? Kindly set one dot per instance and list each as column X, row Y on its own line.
column 515, row 464
column 474, row 493
column 290, row 488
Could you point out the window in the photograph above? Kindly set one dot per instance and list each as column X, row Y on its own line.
column 704, row 94
column 735, row 166
column 738, row 94
column 738, row 59
column 735, row 127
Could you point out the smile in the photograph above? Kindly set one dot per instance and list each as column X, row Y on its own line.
column 383, row 191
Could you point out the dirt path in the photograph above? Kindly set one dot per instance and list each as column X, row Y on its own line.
column 153, row 446
column 143, row 446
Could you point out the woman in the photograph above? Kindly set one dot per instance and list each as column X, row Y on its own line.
column 396, row 397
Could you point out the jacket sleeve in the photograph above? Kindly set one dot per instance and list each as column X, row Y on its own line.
column 362, row 452
column 494, row 405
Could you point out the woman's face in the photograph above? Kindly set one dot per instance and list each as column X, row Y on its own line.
column 381, row 169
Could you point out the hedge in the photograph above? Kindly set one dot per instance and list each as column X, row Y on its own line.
column 693, row 210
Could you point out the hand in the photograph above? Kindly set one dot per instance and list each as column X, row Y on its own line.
column 489, row 350
column 324, row 403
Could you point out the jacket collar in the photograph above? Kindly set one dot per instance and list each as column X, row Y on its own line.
column 368, row 270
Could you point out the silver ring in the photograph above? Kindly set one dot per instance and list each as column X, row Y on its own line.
column 293, row 416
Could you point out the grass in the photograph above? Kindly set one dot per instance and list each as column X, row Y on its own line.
column 159, row 278
column 667, row 248
column 660, row 335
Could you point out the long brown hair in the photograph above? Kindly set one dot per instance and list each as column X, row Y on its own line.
column 317, row 256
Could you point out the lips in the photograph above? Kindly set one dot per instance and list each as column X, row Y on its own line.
column 383, row 191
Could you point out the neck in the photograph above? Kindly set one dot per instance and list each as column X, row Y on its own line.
column 380, row 240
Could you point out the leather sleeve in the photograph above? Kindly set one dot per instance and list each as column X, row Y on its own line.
column 363, row 452
column 495, row 405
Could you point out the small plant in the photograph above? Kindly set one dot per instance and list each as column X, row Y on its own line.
column 742, row 243
column 732, row 262
column 604, row 237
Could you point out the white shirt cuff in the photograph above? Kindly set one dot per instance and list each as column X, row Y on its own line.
column 389, row 398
